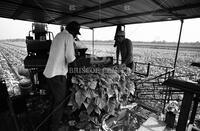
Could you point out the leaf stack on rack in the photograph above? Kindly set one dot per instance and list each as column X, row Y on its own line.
column 97, row 94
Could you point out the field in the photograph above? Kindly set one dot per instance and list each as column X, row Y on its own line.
column 157, row 53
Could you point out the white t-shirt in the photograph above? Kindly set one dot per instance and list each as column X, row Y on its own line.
column 61, row 54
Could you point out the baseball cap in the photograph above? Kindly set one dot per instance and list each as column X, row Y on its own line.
column 75, row 26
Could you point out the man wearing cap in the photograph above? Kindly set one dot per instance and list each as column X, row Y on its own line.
column 125, row 47
column 60, row 55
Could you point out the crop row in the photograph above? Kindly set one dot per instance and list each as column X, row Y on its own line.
column 10, row 61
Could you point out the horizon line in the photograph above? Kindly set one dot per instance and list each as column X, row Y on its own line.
column 161, row 41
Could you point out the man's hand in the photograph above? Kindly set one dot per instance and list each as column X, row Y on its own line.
column 117, row 63
column 73, row 64
column 123, row 65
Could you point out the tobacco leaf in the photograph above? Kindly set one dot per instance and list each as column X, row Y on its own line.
column 111, row 105
column 83, row 116
column 92, row 84
column 71, row 101
column 80, row 97
column 90, row 108
column 97, row 110
column 131, row 87
column 110, row 92
column 100, row 102
column 86, row 104
column 121, row 115
column 94, row 120
column 88, row 93
column 104, row 82
column 74, row 80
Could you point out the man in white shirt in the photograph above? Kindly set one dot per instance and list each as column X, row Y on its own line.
column 61, row 54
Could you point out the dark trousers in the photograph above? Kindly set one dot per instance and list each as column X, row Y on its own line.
column 58, row 89
column 130, row 65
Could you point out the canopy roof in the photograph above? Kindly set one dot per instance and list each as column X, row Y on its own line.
column 99, row 13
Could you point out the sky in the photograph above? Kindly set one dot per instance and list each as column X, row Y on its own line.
column 157, row 31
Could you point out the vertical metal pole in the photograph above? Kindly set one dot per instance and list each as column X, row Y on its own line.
column 194, row 109
column 92, row 41
column 185, row 111
column 177, row 49
column 148, row 69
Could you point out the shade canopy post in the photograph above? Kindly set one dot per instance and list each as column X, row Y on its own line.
column 93, row 41
column 178, row 44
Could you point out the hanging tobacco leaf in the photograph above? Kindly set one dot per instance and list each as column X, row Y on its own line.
column 83, row 125
column 80, row 80
column 89, row 100
column 83, row 116
column 88, row 93
column 109, row 80
column 131, row 87
column 122, row 85
column 80, row 97
column 74, row 80
column 100, row 102
column 71, row 101
column 121, row 115
column 94, row 94
column 86, row 104
column 111, row 105
column 104, row 82
column 94, row 120
column 92, row 84
column 116, row 93
column 110, row 92
column 90, row 108
column 97, row 110
column 101, row 92
column 75, row 88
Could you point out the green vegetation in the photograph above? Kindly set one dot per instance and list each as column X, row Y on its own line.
column 159, row 53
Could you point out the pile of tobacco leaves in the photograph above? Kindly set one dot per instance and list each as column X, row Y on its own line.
column 103, row 100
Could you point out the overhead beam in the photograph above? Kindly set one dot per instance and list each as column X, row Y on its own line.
column 165, row 8
column 95, row 8
column 18, row 11
column 39, row 9
column 128, row 23
column 27, row 5
column 189, row 6
column 102, row 6
column 21, row 8
column 121, row 17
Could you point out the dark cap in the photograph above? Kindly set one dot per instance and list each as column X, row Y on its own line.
column 73, row 26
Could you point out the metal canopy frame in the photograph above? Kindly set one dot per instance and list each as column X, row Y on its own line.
column 99, row 13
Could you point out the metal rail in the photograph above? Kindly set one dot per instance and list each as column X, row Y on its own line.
column 151, row 88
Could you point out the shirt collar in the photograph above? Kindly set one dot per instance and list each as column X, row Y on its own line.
column 65, row 31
